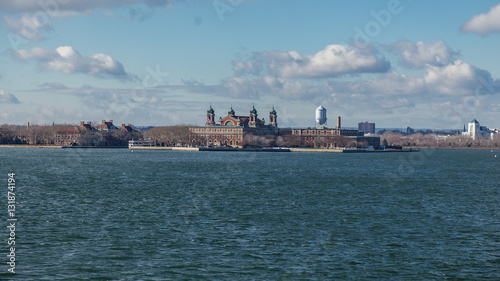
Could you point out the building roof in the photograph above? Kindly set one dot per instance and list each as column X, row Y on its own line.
column 106, row 125
column 474, row 121
column 127, row 128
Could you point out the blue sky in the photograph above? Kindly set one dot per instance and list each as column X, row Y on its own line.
column 424, row 64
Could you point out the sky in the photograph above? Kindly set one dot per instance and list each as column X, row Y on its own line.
column 397, row 63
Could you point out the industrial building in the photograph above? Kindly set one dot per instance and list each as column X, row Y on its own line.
column 334, row 137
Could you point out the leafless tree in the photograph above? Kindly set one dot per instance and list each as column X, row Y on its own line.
column 169, row 136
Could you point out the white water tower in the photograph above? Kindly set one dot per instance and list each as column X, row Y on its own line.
column 320, row 116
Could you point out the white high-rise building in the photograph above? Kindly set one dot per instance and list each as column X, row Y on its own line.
column 476, row 131
column 473, row 129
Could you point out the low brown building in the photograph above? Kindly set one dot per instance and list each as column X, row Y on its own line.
column 104, row 134
column 69, row 137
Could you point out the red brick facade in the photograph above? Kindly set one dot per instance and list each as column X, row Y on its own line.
column 231, row 130
column 88, row 135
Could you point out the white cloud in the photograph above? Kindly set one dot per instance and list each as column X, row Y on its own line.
column 389, row 84
column 460, row 79
column 455, row 79
column 62, row 8
column 29, row 26
column 251, row 66
column 420, row 54
column 67, row 60
column 269, row 86
column 7, row 97
column 484, row 24
column 334, row 60
column 387, row 90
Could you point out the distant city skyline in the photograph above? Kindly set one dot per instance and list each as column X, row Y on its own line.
column 420, row 64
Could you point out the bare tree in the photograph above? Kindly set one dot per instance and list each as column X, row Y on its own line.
column 169, row 136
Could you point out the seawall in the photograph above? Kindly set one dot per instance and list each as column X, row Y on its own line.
column 313, row 150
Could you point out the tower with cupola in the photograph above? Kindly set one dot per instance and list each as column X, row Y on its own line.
column 210, row 117
column 273, row 118
column 253, row 117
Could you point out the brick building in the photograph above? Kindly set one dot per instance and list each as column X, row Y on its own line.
column 104, row 134
column 325, row 137
column 366, row 127
column 234, row 131
column 69, row 137
column 231, row 130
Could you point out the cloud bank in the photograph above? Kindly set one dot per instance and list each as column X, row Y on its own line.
column 420, row 54
column 332, row 61
column 294, row 76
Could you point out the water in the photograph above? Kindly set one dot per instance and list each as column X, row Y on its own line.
column 113, row 214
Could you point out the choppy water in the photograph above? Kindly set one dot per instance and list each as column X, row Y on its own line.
column 113, row 214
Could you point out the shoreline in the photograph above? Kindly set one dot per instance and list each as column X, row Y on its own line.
column 317, row 150
column 229, row 149
column 29, row 146
column 456, row 148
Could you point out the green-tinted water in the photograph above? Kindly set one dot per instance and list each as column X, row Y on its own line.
column 113, row 214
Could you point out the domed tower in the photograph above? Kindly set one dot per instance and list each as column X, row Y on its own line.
column 253, row 117
column 210, row 117
column 231, row 112
column 273, row 118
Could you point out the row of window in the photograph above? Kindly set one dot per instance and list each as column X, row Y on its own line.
column 226, row 142
column 224, row 136
column 314, row 132
column 216, row 130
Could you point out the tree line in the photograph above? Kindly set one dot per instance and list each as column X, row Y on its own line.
column 178, row 135
column 438, row 141
column 32, row 135
column 47, row 135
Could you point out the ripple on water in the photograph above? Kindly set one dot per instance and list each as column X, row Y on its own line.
column 108, row 214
